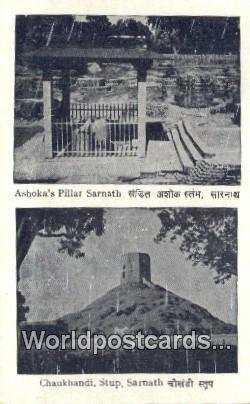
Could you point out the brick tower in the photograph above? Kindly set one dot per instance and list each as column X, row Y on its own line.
column 135, row 268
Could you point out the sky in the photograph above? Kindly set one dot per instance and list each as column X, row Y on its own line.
column 114, row 18
column 55, row 284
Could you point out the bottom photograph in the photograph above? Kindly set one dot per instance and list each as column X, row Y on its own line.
column 126, row 290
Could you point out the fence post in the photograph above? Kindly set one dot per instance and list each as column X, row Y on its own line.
column 47, row 113
column 66, row 94
column 142, row 100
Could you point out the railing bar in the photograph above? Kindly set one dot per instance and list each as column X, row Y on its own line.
column 125, row 135
column 67, row 136
column 83, row 142
column 115, row 140
column 74, row 135
column 129, row 138
column 93, row 142
column 57, row 140
column 86, row 141
column 82, row 133
column 95, row 145
column 69, row 128
column 119, row 127
column 90, row 140
column 110, row 137
column 132, row 137
column 79, row 138
column 62, row 138
column 86, row 138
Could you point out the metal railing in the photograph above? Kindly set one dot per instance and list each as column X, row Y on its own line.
column 124, row 112
column 82, row 139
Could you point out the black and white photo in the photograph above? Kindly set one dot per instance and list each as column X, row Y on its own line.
column 127, row 99
column 123, row 286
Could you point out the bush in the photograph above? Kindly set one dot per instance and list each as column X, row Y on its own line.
column 29, row 110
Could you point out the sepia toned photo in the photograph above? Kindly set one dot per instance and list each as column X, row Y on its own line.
column 127, row 99
column 121, row 286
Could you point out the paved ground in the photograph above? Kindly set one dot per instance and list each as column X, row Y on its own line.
column 161, row 156
column 30, row 165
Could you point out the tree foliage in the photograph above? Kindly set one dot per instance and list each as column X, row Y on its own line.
column 70, row 226
column 207, row 236
column 32, row 31
column 130, row 26
column 196, row 34
column 166, row 34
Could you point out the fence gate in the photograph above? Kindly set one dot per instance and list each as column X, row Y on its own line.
column 97, row 130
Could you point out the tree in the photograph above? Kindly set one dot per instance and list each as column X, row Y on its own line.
column 208, row 236
column 71, row 226
column 38, row 28
column 34, row 31
column 197, row 34
column 169, row 33
column 130, row 26
column 99, row 28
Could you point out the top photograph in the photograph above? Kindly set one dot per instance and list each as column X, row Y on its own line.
column 127, row 99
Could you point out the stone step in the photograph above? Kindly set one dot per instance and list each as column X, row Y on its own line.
column 200, row 146
column 189, row 146
column 184, row 158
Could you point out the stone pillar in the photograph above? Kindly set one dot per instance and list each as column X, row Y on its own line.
column 47, row 113
column 66, row 94
column 142, row 103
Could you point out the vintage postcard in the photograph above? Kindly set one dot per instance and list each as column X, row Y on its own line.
column 125, row 202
